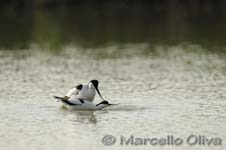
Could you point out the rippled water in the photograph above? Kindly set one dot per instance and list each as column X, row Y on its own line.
column 162, row 90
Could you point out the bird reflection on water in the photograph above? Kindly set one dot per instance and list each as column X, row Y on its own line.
column 81, row 117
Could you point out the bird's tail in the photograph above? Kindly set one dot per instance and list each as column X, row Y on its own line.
column 65, row 98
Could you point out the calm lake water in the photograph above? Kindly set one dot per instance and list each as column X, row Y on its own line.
column 172, row 90
column 169, row 76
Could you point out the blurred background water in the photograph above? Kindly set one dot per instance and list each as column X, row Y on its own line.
column 163, row 61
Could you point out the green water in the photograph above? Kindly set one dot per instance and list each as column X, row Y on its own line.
column 89, row 26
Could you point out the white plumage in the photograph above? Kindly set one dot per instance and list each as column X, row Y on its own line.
column 85, row 91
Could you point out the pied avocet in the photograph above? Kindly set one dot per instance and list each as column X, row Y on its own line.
column 80, row 104
column 85, row 91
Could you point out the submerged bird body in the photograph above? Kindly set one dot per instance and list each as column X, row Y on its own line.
column 80, row 104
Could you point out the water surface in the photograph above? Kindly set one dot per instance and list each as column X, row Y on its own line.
column 162, row 90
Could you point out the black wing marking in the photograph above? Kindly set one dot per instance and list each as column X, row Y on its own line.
column 79, row 87
column 81, row 100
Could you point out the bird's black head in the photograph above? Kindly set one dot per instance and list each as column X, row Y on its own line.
column 95, row 83
column 103, row 102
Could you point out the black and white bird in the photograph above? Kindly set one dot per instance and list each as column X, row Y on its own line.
column 85, row 91
column 81, row 97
